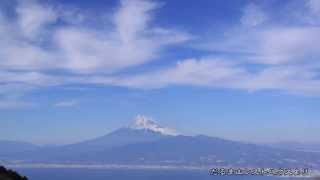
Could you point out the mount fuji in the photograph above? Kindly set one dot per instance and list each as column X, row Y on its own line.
column 145, row 142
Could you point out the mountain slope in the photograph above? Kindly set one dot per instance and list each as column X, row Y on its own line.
column 184, row 151
column 307, row 147
column 203, row 150
column 147, row 143
column 79, row 151
column 120, row 137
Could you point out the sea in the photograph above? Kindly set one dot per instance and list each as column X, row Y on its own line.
column 107, row 174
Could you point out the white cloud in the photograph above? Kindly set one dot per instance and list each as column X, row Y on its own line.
column 34, row 46
column 79, row 48
column 28, row 78
column 132, row 19
column 271, row 45
column 203, row 72
column 285, row 45
column 16, row 50
column 314, row 5
column 289, row 79
column 286, row 55
column 33, row 18
column 212, row 73
column 220, row 73
column 127, row 44
column 143, row 122
column 253, row 16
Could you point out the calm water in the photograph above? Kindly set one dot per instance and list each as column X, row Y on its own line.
column 96, row 174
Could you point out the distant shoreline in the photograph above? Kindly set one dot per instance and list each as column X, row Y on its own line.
column 106, row 166
column 120, row 167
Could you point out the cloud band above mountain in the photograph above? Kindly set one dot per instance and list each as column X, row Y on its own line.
column 42, row 45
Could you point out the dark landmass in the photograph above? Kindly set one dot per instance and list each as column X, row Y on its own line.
column 7, row 174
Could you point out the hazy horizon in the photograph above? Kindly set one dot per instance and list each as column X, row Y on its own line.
column 178, row 133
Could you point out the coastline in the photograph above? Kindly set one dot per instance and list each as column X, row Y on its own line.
column 106, row 166
column 312, row 172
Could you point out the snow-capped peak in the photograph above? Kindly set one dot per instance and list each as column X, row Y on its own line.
column 143, row 122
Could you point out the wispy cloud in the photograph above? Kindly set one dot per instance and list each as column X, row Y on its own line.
column 313, row 14
column 35, row 43
column 222, row 73
column 79, row 48
column 197, row 72
column 258, row 56
column 285, row 55
column 253, row 16
column 33, row 19
column 260, row 53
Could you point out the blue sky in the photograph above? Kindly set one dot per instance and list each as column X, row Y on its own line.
column 243, row 70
